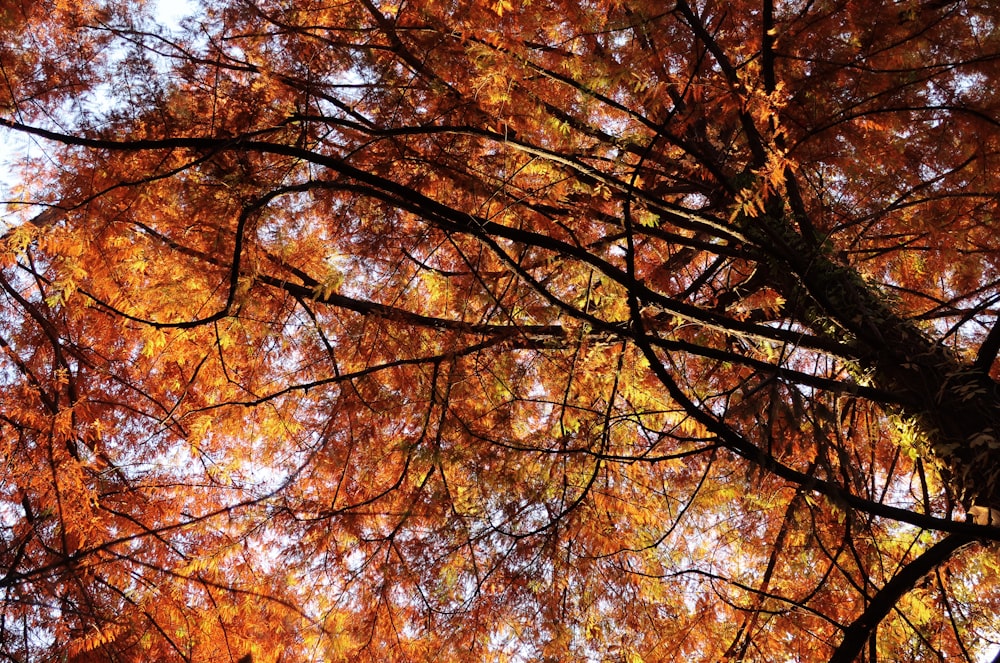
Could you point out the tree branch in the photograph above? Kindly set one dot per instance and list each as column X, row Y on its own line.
column 988, row 350
column 887, row 598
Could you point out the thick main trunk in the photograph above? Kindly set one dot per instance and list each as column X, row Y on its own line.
column 956, row 405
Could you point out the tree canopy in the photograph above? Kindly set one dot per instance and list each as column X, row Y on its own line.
column 500, row 331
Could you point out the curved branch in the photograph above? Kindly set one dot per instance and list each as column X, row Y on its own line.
column 862, row 628
column 741, row 446
column 988, row 350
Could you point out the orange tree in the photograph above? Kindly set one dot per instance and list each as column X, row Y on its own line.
column 583, row 331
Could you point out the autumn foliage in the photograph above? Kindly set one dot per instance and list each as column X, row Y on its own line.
column 500, row 331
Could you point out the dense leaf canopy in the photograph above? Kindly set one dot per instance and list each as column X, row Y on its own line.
column 500, row 331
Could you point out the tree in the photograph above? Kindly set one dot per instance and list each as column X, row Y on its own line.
column 501, row 331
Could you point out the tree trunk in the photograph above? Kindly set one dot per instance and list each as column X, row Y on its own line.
column 953, row 402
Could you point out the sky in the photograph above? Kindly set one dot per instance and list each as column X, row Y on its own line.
column 170, row 12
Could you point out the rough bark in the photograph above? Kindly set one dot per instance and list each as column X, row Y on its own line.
column 954, row 403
